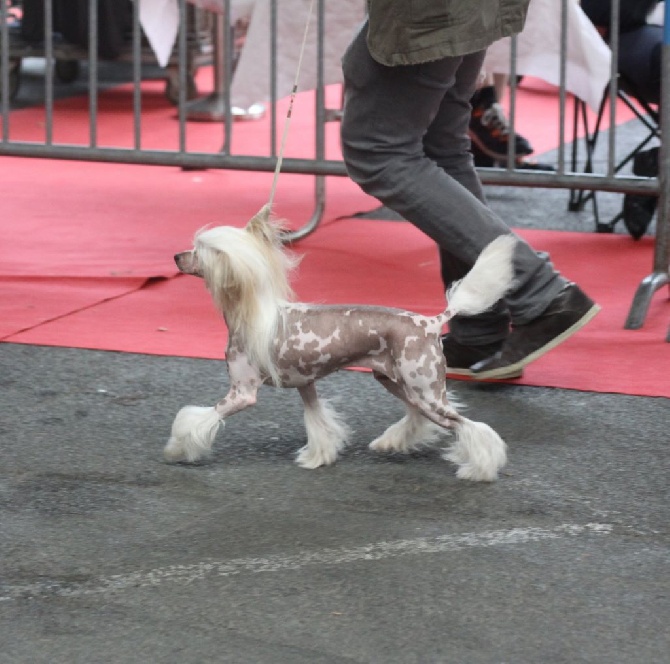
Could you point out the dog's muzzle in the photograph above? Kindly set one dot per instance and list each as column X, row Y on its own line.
column 187, row 263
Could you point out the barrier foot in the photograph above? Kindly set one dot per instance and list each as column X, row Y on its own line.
column 642, row 299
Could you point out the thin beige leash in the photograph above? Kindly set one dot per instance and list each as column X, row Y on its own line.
column 287, row 121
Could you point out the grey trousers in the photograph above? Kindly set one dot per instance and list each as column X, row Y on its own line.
column 405, row 142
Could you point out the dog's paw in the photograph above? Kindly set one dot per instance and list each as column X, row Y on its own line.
column 310, row 458
column 173, row 452
column 475, row 474
column 385, row 444
column 390, row 442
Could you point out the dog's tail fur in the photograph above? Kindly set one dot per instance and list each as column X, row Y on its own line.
column 477, row 450
column 490, row 278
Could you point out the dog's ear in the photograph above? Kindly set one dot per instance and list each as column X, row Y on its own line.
column 262, row 227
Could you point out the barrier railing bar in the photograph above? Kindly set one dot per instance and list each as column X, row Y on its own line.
column 614, row 84
column 562, row 86
column 93, row 70
column 49, row 72
column 181, row 75
column 273, row 77
column 137, row 77
column 305, row 166
column 4, row 69
column 227, row 73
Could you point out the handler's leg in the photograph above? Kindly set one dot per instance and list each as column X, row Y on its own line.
column 388, row 112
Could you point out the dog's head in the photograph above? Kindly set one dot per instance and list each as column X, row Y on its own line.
column 214, row 245
column 240, row 264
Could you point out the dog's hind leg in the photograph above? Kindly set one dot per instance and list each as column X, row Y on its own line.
column 412, row 431
column 476, row 448
column 327, row 434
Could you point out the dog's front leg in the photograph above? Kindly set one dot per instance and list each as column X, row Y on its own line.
column 195, row 427
column 327, row 434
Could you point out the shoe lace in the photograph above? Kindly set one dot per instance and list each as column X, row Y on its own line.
column 494, row 119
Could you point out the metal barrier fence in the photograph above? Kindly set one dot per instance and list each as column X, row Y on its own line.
column 205, row 38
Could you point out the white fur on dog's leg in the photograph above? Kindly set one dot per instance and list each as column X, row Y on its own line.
column 193, row 432
column 327, row 434
column 478, row 451
column 410, row 432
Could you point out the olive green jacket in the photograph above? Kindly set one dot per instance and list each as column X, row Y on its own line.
column 407, row 32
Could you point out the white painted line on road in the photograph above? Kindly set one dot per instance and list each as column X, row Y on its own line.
column 280, row 563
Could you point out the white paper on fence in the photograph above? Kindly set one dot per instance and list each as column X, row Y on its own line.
column 160, row 22
column 251, row 83
column 539, row 51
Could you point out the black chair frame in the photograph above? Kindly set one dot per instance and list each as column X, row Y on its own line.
column 646, row 113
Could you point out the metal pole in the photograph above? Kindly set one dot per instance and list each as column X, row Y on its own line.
column 4, row 71
column 660, row 275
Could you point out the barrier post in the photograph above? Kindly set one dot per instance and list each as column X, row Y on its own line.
column 660, row 275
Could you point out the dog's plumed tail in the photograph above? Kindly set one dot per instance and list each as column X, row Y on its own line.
column 488, row 281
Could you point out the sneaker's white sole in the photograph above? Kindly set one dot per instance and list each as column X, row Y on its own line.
column 502, row 372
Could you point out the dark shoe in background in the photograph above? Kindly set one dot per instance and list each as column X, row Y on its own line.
column 645, row 163
column 638, row 211
column 522, row 164
column 569, row 311
column 460, row 357
column 489, row 129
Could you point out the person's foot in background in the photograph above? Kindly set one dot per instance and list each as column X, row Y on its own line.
column 489, row 128
column 638, row 210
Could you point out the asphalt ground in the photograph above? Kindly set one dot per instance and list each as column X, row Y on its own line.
column 109, row 554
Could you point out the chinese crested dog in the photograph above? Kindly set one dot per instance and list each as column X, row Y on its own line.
column 273, row 340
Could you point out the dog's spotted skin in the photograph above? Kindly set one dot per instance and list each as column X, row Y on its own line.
column 318, row 340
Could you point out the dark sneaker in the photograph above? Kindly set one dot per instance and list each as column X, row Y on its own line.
column 569, row 311
column 489, row 129
column 461, row 357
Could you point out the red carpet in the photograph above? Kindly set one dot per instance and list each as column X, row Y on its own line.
column 88, row 249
